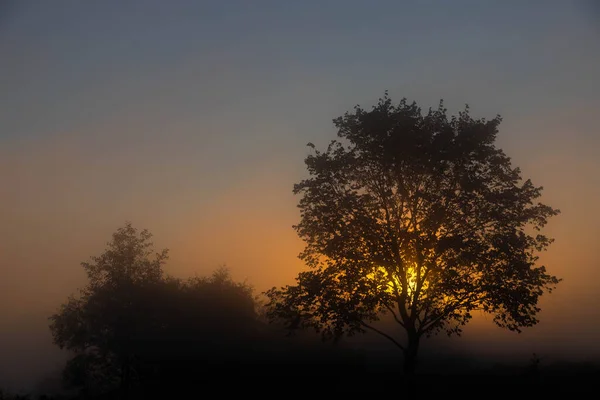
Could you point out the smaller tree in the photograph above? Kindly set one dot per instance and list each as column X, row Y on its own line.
column 101, row 323
column 207, row 324
column 131, row 322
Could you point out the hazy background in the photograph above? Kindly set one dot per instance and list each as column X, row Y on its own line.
column 190, row 118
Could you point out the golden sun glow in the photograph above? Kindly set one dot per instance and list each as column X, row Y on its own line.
column 393, row 282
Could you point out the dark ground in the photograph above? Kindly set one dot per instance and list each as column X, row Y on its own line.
column 312, row 380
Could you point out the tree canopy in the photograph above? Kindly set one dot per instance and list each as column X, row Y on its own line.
column 419, row 215
column 132, row 322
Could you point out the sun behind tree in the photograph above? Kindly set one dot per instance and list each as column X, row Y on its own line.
column 418, row 215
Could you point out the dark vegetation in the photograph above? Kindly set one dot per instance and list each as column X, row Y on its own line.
column 136, row 333
column 133, row 329
column 415, row 215
column 418, row 215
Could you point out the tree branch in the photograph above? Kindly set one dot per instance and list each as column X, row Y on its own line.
column 420, row 280
column 385, row 335
column 425, row 315
column 395, row 316
column 400, row 300
column 443, row 315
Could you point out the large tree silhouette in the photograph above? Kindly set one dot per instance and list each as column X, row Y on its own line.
column 418, row 215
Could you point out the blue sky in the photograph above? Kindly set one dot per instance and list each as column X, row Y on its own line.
column 75, row 64
column 190, row 118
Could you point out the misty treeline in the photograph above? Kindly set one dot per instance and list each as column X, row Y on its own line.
column 417, row 215
column 133, row 325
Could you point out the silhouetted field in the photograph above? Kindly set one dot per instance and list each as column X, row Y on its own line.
column 290, row 368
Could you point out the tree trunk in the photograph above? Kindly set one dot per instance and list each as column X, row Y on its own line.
column 125, row 378
column 410, row 354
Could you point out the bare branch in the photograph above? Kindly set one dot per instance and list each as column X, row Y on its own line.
column 444, row 314
column 385, row 335
column 391, row 310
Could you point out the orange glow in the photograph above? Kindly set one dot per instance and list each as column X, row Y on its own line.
column 393, row 284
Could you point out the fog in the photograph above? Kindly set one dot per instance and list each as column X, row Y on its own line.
column 191, row 120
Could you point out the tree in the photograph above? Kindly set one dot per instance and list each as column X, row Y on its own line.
column 207, row 323
column 132, row 323
column 418, row 215
column 102, row 324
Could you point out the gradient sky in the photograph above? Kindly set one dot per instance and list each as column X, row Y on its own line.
column 190, row 118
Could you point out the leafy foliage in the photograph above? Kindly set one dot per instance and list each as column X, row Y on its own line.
column 419, row 215
column 100, row 323
column 131, row 322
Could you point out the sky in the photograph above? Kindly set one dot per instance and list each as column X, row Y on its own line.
column 190, row 119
